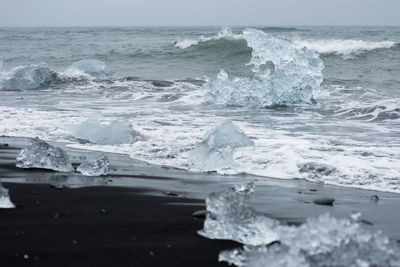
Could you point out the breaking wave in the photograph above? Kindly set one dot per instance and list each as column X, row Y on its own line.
column 225, row 33
column 282, row 75
column 37, row 76
column 343, row 47
column 378, row 111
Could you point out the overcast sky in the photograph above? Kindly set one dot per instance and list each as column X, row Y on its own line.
column 198, row 12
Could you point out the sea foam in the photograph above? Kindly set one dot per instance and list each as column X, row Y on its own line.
column 344, row 48
column 225, row 33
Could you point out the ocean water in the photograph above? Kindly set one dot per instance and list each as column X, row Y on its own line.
column 319, row 103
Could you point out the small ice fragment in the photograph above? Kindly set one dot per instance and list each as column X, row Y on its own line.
column 215, row 152
column 90, row 66
column 356, row 216
column 5, row 201
column 229, row 217
column 246, row 189
column 95, row 167
column 40, row 154
column 117, row 132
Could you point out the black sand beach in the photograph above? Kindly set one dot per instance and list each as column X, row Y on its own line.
column 141, row 215
column 100, row 226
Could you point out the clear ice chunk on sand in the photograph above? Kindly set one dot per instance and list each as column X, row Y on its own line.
column 230, row 217
column 40, row 154
column 320, row 241
column 29, row 77
column 95, row 167
column 215, row 152
column 117, row 132
column 5, row 201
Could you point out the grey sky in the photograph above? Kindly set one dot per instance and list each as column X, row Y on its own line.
column 199, row 12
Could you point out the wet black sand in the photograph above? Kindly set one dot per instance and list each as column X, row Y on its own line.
column 128, row 218
column 101, row 226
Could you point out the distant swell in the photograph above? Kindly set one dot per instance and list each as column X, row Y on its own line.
column 341, row 47
column 225, row 33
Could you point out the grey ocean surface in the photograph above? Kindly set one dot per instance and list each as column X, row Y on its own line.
column 156, row 79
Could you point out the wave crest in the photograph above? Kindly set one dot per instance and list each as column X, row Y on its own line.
column 225, row 33
column 343, row 47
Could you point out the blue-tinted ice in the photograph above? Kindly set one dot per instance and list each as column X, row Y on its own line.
column 95, row 167
column 230, row 217
column 215, row 152
column 29, row 77
column 321, row 241
column 283, row 74
column 40, row 154
column 117, row 132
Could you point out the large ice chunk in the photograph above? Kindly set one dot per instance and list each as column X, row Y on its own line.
column 117, row 132
column 215, row 152
column 283, row 74
column 90, row 66
column 29, row 77
column 230, row 217
column 5, row 201
column 95, row 167
column 40, row 154
column 321, row 241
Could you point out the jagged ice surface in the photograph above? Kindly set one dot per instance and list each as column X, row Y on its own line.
column 117, row 132
column 321, row 241
column 230, row 217
column 29, row 77
column 5, row 201
column 95, row 167
column 283, row 74
column 40, row 154
column 216, row 149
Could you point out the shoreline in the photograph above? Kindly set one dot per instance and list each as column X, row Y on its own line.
column 155, row 205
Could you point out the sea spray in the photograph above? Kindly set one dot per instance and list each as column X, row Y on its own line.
column 282, row 75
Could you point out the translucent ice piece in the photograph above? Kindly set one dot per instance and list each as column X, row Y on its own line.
column 29, row 77
column 283, row 74
column 94, row 167
column 215, row 152
column 40, row 154
column 321, row 241
column 90, row 66
column 117, row 132
column 5, row 201
column 229, row 217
